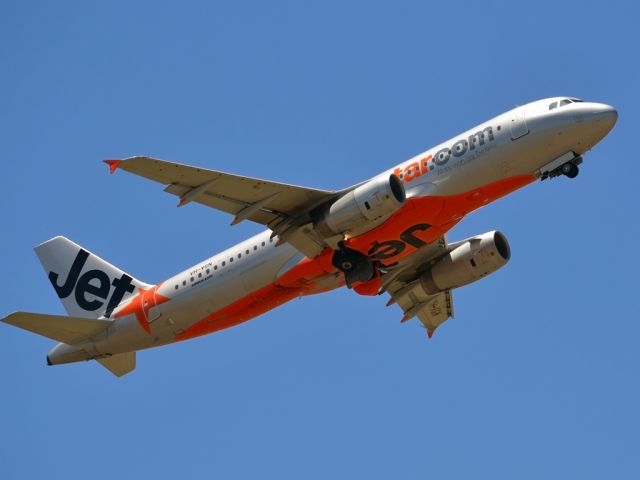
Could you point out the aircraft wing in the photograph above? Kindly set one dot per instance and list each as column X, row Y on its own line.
column 283, row 208
column 402, row 282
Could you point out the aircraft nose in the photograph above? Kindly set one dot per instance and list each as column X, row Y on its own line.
column 605, row 115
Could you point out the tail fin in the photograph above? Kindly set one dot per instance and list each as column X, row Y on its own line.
column 87, row 286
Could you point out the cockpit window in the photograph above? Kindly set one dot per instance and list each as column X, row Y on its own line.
column 563, row 102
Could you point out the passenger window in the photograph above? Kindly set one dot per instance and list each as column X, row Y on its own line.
column 176, row 287
column 192, row 279
column 239, row 255
column 208, row 271
column 255, row 247
column 247, row 252
column 215, row 267
column 200, row 275
column 263, row 244
column 184, row 283
column 553, row 105
column 224, row 263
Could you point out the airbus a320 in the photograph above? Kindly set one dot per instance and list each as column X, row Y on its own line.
column 386, row 235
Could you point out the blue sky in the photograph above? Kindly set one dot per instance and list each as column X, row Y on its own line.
column 536, row 377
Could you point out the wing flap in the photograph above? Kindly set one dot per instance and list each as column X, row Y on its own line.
column 69, row 330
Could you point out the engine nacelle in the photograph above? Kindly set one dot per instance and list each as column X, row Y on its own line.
column 472, row 260
column 366, row 204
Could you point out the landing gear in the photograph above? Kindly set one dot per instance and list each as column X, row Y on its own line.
column 566, row 165
column 356, row 266
column 570, row 170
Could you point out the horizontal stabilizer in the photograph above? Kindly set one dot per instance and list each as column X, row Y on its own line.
column 69, row 330
column 119, row 364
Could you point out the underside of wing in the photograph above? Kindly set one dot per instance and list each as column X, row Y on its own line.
column 282, row 207
column 403, row 283
column 431, row 310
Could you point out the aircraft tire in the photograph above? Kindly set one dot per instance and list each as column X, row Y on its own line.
column 570, row 170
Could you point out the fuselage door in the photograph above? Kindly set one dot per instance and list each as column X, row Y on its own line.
column 518, row 124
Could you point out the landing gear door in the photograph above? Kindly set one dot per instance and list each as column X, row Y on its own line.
column 518, row 124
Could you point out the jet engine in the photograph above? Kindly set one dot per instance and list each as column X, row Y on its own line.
column 363, row 205
column 471, row 260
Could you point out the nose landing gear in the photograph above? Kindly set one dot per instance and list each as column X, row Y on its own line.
column 566, row 165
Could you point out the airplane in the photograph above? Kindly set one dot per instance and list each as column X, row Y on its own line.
column 386, row 235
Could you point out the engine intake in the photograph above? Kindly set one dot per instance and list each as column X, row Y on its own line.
column 472, row 260
column 364, row 205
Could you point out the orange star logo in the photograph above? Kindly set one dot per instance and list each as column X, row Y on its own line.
column 140, row 305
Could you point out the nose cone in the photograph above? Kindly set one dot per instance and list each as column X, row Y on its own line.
column 594, row 121
column 605, row 115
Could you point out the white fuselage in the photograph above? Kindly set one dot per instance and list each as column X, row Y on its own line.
column 519, row 142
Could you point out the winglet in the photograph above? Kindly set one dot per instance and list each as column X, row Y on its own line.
column 430, row 332
column 113, row 164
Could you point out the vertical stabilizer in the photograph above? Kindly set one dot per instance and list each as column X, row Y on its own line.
column 87, row 285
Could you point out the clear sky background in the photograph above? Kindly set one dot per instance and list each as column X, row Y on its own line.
column 536, row 377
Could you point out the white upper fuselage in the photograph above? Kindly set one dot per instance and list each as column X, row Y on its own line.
column 516, row 143
column 525, row 139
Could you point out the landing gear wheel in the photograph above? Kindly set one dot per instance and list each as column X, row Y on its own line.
column 346, row 265
column 356, row 266
column 570, row 170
